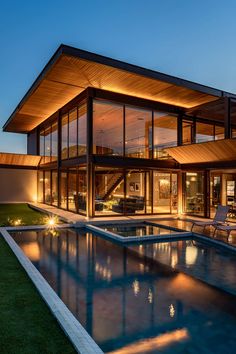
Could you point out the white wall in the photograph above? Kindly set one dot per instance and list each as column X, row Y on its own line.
column 17, row 185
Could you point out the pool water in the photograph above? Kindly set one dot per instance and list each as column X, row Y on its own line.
column 138, row 229
column 131, row 300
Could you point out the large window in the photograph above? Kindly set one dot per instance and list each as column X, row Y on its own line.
column 107, row 128
column 47, row 187
column 72, row 189
column 187, row 132
column 73, row 133
column 54, row 188
column 199, row 132
column 54, row 141
column 164, row 135
column 204, row 132
column 109, row 191
column 82, row 129
column 40, row 197
column 64, row 137
column 194, row 193
column 63, row 184
column 138, row 132
column 48, row 139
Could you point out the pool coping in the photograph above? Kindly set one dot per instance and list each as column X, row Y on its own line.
column 125, row 240
column 79, row 337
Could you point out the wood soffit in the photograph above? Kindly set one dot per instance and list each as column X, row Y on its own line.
column 19, row 160
column 212, row 151
column 71, row 71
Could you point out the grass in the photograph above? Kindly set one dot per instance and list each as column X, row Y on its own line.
column 26, row 324
column 10, row 213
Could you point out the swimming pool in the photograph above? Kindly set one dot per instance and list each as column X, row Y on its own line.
column 137, row 231
column 132, row 299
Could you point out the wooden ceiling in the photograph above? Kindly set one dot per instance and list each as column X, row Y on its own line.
column 214, row 110
column 212, row 151
column 19, row 160
column 71, row 71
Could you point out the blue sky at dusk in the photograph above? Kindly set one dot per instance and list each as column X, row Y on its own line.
column 191, row 39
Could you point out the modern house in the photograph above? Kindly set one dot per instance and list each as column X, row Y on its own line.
column 110, row 138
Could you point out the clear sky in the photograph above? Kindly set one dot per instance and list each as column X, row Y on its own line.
column 192, row 39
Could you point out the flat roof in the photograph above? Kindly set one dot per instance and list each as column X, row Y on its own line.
column 20, row 160
column 70, row 71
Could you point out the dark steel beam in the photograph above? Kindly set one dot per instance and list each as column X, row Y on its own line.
column 128, row 162
column 227, row 119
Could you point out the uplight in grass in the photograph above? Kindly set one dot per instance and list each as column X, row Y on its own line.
column 51, row 222
column 17, row 222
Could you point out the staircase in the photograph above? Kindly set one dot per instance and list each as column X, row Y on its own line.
column 112, row 184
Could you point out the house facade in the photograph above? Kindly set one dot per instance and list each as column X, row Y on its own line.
column 117, row 139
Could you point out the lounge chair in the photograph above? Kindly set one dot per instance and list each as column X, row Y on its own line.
column 219, row 218
column 227, row 228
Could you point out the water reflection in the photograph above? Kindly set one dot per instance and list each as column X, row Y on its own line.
column 196, row 259
column 130, row 299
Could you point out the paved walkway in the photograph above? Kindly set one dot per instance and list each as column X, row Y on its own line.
column 184, row 223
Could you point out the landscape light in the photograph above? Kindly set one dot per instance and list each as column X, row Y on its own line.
column 51, row 221
column 17, row 222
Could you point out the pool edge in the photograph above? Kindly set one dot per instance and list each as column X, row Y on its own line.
column 79, row 337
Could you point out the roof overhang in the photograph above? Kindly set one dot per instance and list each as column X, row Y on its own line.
column 19, row 160
column 70, row 71
column 212, row 151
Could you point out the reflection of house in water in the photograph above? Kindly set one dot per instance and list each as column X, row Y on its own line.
column 123, row 295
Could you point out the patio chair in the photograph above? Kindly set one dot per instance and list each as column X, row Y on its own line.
column 219, row 218
column 227, row 228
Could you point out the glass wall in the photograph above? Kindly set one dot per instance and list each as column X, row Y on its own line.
column 47, row 187
column 188, row 132
column 138, row 132
column 54, row 142
column 161, row 192
column 164, row 134
column 54, row 188
column 204, row 132
column 63, row 191
column 82, row 129
column 194, row 131
column 194, row 193
column 48, row 139
column 82, row 190
column 74, row 132
column 107, row 128
column 72, row 190
column 64, row 136
column 134, row 192
column 109, row 191
column 40, row 197
column 219, row 132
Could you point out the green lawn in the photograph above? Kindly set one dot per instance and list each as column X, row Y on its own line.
column 26, row 324
column 10, row 213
